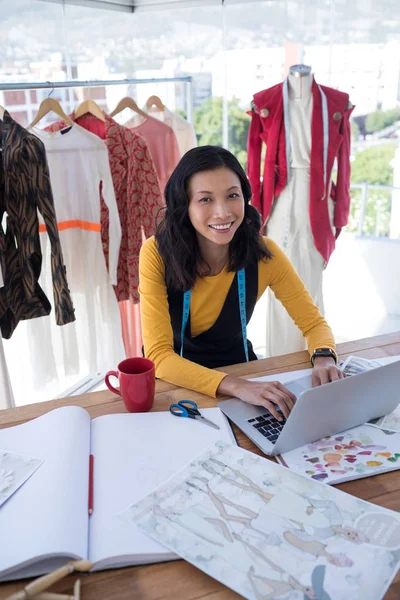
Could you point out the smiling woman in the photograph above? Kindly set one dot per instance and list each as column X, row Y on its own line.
column 201, row 276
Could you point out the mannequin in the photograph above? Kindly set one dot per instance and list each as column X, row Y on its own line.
column 289, row 223
column 305, row 132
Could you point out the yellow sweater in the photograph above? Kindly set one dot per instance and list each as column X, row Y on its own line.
column 208, row 297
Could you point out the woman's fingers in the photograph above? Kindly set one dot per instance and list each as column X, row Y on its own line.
column 279, row 399
column 322, row 375
column 285, row 391
column 315, row 378
column 272, row 409
column 275, row 394
column 285, row 403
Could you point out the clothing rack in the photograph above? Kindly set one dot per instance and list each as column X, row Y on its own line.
column 31, row 85
column 93, row 380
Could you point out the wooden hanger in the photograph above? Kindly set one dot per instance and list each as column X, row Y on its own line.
column 38, row 587
column 50, row 105
column 155, row 101
column 128, row 102
column 89, row 106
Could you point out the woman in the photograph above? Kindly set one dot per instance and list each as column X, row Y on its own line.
column 201, row 276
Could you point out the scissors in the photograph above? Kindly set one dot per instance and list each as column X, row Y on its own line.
column 188, row 409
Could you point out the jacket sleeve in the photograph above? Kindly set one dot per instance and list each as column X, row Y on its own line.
column 114, row 225
column 43, row 198
column 341, row 191
column 254, row 144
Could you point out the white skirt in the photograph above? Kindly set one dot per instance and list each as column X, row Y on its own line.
column 290, row 219
column 55, row 358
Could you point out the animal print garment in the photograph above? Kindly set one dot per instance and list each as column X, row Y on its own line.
column 24, row 189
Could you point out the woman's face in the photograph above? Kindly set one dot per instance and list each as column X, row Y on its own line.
column 216, row 205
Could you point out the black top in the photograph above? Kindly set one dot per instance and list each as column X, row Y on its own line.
column 222, row 344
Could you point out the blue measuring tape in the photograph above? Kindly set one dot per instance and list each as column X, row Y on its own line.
column 185, row 315
column 325, row 130
column 241, row 279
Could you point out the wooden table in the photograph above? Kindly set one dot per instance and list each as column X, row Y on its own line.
column 180, row 580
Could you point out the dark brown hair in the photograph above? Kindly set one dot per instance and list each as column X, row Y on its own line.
column 176, row 236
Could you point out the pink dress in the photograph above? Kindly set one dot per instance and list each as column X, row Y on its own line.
column 162, row 143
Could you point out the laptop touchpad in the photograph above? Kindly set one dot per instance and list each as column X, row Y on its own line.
column 297, row 386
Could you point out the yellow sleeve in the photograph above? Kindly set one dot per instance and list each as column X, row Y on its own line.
column 281, row 276
column 157, row 329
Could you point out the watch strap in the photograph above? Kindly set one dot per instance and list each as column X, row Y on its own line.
column 328, row 352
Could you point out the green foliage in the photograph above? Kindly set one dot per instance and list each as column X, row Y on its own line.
column 208, row 126
column 208, row 122
column 374, row 167
column 381, row 118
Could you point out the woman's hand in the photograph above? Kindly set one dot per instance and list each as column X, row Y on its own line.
column 270, row 394
column 325, row 370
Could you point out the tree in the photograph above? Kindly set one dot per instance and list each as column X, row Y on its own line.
column 380, row 119
column 208, row 126
column 374, row 167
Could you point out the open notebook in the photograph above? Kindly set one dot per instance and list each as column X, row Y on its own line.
column 46, row 521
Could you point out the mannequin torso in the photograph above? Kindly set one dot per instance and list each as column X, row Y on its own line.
column 300, row 114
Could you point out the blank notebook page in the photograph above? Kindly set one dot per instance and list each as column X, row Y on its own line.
column 134, row 454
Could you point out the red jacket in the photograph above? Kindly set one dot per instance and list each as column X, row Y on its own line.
column 267, row 125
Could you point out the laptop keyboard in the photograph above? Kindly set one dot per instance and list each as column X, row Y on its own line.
column 268, row 426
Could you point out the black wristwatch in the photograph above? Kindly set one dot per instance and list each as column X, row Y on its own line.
column 323, row 352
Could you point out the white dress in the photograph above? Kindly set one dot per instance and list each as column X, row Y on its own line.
column 290, row 219
column 6, row 395
column 58, row 357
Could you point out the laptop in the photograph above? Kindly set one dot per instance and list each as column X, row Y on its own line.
column 319, row 411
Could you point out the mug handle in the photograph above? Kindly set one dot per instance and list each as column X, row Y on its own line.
column 108, row 384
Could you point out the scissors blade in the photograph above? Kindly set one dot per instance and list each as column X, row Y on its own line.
column 207, row 422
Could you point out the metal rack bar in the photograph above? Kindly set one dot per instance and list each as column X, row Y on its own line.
column 36, row 85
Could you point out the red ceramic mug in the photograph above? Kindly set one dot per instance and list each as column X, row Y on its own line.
column 136, row 383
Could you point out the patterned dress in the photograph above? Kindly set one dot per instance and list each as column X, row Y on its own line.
column 137, row 192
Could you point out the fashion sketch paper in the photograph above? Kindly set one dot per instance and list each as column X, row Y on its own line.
column 391, row 421
column 15, row 469
column 267, row 532
column 354, row 365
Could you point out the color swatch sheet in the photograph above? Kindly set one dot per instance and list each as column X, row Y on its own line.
column 358, row 452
